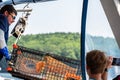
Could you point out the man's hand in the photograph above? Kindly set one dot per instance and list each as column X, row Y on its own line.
column 109, row 62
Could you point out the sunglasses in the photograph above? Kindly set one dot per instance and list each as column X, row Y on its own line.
column 14, row 17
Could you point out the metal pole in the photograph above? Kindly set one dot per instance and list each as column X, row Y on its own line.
column 83, row 28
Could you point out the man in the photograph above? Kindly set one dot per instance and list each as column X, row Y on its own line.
column 97, row 65
column 7, row 17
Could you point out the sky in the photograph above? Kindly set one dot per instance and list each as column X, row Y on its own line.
column 53, row 16
column 65, row 16
column 97, row 23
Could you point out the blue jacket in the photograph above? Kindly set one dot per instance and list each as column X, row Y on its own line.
column 4, row 32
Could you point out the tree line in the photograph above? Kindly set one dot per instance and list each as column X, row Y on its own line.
column 60, row 43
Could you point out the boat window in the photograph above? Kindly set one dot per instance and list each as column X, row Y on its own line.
column 99, row 34
column 63, row 18
column 53, row 26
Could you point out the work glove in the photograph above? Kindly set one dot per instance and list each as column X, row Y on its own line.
column 4, row 51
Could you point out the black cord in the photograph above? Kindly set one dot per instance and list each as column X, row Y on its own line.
column 13, row 2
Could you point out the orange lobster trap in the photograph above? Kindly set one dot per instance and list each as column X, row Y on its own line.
column 32, row 64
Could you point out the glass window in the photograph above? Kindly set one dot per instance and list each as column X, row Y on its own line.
column 60, row 17
column 53, row 26
column 99, row 34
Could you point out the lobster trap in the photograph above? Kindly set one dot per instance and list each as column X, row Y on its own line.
column 32, row 64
